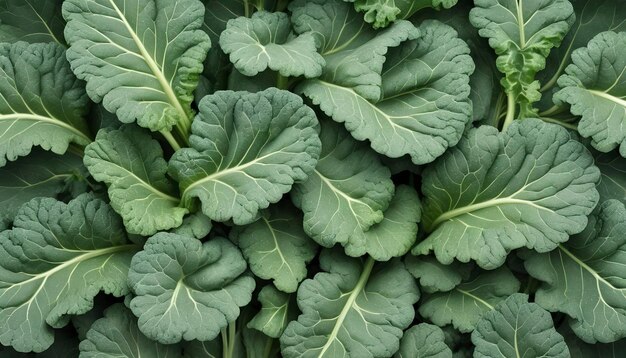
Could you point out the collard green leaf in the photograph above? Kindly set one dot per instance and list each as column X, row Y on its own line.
column 522, row 32
column 195, row 225
column 203, row 349
column 247, row 150
column 31, row 21
column 381, row 13
column 580, row 349
column 41, row 102
column 354, row 309
column 186, row 289
column 217, row 14
column 434, row 276
column 117, row 335
column 276, row 247
column 465, row 304
column 423, row 341
column 278, row 310
column 421, row 104
column 140, row 58
column 612, row 183
column 584, row 277
column 131, row 163
column 531, row 186
column 54, row 260
column 517, row 328
column 265, row 41
column 595, row 87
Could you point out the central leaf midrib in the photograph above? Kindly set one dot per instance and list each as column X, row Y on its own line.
column 588, row 268
column 144, row 184
column 609, row 97
column 49, row 120
column 474, row 297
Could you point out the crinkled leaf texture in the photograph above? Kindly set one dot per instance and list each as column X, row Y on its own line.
column 31, row 21
column 185, row 289
column 516, row 328
column 41, row 102
column 117, row 335
column 356, row 308
column 423, row 341
column 265, row 41
column 531, row 186
column 434, row 276
column 140, row 58
column 522, row 33
column 595, row 87
column 381, row 13
column 276, row 247
column 53, row 262
column 247, row 150
column 131, row 163
column 584, row 277
column 278, row 309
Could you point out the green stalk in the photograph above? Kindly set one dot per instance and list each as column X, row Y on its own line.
column 282, row 82
column 510, row 112
column 561, row 123
column 170, row 139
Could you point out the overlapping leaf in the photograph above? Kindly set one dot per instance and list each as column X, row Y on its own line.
column 423, row 341
column 31, row 21
column 380, row 13
column 278, row 310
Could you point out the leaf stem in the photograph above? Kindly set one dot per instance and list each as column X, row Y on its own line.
column 170, row 139
column 510, row 112
column 282, row 82
column 552, row 111
column 246, row 8
column 561, row 123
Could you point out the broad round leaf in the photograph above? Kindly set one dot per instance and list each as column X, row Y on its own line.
column 278, row 309
column 423, row 341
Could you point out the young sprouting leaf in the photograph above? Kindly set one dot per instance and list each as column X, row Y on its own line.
column 530, row 186
column 516, row 328
column 54, row 261
column 276, row 247
column 247, row 150
column 423, row 341
column 584, row 277
column 41, row 102
column 278, row 310
column 141, row 61
column 186, row 289
column 595, row 85
column 612, row 183
column 43, row 174
column 117, row 335
column 350, row 296
column 265, row 41
column 131, row 163
column 522, row 32
column 465, row 304
column 381, row 13
column 421, row 105
column 346, row 193
column 31, row 21
column 434, row 276
column 195, row 225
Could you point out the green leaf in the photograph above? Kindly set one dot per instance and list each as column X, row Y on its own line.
column 117, row 335
column 246, row 151
column 53, row 263
column 517, row 328
column 580, row 349
column 522, row 33
column 41, row 102
column 434, row 276
column 354, row 309
column 186, row 289
column 278, row 310
column 423, row 341
column 265, row 41
column 195, row 225
column 531, row 186
column 584, row 277
column 595, row 85
column 465, row 304
column 381, row 13
column 203, row 349
column 612, row 183
column 421, row 104
column 217, row 15
column 141, row 59
column 131, row 163
column 41, row 174
column 31, row 21
column 276, row 247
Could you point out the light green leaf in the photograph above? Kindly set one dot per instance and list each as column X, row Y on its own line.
column 465, row 304
column 265, row 41
column 595, row 87
column 278, row 310
column 53, row 262
column 276, row 247
column 117, row 335
column 41, row 102
column 517, row 328
column 346, row 193
column 246, row 151
column 140, row 58
column 354, row 309
column 434, row 276
column 31, row 21
column 186, row 289
column 522, row 32
column 531, row 186
column 584, row 277
column 422, row 106
column 612, row 183
column 381, row 13
column 195, row 225
column 43, row 174
column 423, row 341
column 131, row 163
